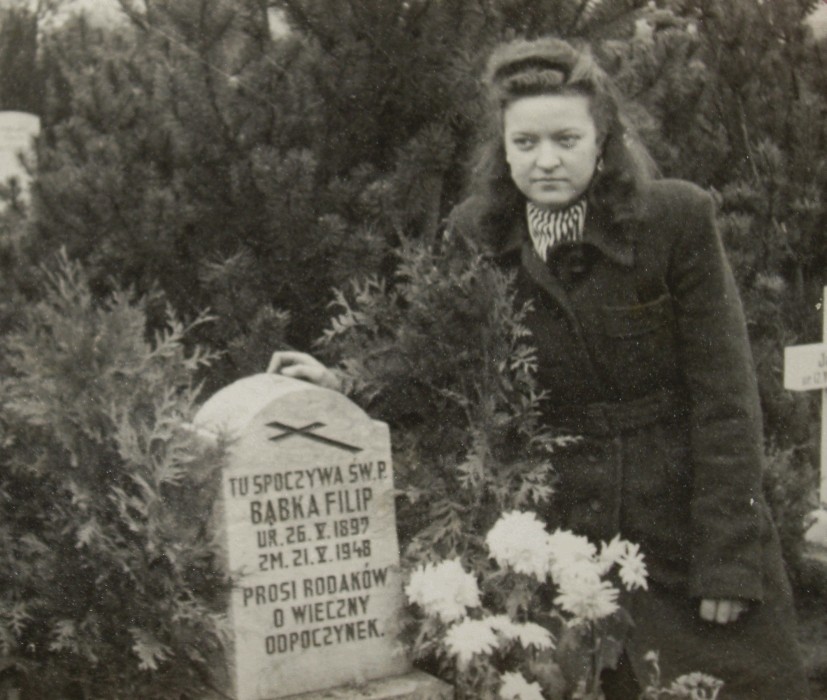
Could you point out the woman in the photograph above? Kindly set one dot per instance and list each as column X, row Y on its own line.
column 643, row 348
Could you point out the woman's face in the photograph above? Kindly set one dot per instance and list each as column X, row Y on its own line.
column 551, row 146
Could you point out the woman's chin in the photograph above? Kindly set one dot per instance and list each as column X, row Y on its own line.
column 552, row 201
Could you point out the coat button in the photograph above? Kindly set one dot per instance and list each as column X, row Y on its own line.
column 596, row 505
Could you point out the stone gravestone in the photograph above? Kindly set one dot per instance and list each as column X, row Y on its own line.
column 308, row 510
column 17, row 129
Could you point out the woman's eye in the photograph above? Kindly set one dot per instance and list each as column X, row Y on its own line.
column 523, row 142
column 568, row 141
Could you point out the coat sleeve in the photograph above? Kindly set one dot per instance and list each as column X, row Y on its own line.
column 727, row 509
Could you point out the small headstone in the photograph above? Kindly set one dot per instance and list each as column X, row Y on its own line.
column 308, row 511
column 17, row 130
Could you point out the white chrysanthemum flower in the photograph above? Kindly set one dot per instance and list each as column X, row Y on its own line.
column 633, row 571
column 567, row 549
column 516, row 687
column 566, row 545
column 575, row 572
column 519, row 541
column 611, row 553
column 443, row 589
column 527, row 633
column 469, row 637
column 587, row 600
column 696, row 686
column 531, row 634
column 502, row 624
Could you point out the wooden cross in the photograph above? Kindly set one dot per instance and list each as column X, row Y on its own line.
column 805, row 369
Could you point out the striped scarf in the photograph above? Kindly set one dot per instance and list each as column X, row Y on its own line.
column 548, row 228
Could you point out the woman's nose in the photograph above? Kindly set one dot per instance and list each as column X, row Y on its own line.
column 547, row 156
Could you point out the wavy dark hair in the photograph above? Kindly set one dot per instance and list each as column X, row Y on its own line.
column 555, row 67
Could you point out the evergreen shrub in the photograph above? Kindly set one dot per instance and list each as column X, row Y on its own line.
column 788, row 479
column 109, row 582
column 441, row 353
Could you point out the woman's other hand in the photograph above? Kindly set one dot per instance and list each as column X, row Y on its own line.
column 721, row 611
column 300, row 365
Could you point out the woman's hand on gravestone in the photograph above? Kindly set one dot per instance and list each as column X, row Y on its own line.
column 721, row 611
column 300, row 365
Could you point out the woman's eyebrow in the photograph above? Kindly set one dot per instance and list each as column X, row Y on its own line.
column 523, row 132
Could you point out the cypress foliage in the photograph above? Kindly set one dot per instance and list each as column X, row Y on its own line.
column 444, row 357
column 108, row 566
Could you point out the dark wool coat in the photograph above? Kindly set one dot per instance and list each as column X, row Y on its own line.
column 643, row 348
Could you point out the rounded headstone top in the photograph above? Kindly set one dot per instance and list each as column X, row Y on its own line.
column 230, row 410
column 25, row 120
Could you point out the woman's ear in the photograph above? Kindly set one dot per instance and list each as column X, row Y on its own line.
column 600, row 163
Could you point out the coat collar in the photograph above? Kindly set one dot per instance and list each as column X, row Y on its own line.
column 609, row 238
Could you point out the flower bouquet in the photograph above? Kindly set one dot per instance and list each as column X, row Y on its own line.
column 541, row 622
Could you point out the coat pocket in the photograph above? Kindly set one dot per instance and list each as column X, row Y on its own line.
column 641, row 344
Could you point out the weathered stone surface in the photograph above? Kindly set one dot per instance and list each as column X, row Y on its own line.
column 308, row 515
column 412, row 686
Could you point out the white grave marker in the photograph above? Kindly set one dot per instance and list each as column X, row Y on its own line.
column 805, row 369
column 308, row 509
column 17, row 129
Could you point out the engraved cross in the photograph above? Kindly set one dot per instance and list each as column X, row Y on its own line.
column 308, row 432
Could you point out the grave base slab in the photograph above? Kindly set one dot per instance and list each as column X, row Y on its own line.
column 416, row 685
